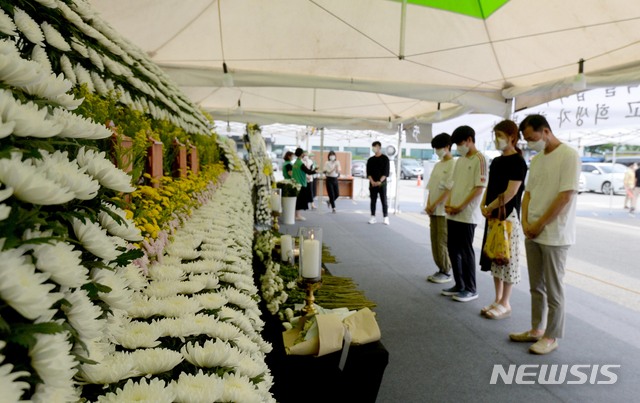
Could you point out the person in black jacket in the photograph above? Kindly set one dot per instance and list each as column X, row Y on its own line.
column 378, row 172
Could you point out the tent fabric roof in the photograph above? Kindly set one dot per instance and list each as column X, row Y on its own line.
column 362, row 64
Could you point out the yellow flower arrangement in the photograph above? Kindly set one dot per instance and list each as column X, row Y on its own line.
column 152, row 209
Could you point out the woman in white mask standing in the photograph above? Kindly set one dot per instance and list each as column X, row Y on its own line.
column 505, row 186
column 332, row 171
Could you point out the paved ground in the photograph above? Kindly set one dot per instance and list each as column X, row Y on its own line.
column 441, row 350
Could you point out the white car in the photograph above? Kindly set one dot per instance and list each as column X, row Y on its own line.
column 604, row 177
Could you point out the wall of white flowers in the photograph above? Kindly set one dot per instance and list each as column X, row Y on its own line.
column 79, row 320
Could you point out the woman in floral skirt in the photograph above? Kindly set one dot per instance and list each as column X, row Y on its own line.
column 506, row 185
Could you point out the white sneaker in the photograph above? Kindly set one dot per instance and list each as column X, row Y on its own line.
column 373, row 220
column 386, row 221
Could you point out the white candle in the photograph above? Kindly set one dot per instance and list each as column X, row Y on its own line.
column 286, row 248
column 311, row 258
column 275, row 202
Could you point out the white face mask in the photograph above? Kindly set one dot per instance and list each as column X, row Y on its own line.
column 463, row 149
column 441, row 152
column 501, row 144
column 332, row 158
column 537, row 146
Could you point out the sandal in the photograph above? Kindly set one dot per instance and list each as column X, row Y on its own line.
column 498, row 312
column 487, row 308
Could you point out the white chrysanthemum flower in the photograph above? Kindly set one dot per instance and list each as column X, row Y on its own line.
column 155, row 360
column 96, row 59
column 54, row 88
column 15, row 70
column 28, row 118
column 166, row 271
column 79, row 127
column 142, row 306
column 52, row 394
column 51, row 358
column 39, row 55
column 48, row 3
column 244, row 343
column 120, row 295
column 178, row 305
column 213, row 353
column 29, row 28
column 62, row 262
column 54, row 38
column 250, row 367
column 162, row 289
column 99, row 84
column 79, row 47
column 139, row 334
column 67, row 69
column 198, row 388
column 6, row 24
column 238, row 388
column 22, row 287
column 11, row 390
column 113, row 368
column 104, row 171
column 95, row 239
column 211, row 300
column 239, row 299
column 84, row 315
column 134, row 276
column 83, row 77
column 126, row 229
column 152, row 392
column 60, row 169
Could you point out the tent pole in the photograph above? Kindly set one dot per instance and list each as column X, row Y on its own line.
column 403, row 24
column 396, row 204
column 321, row 176
column 613, row 161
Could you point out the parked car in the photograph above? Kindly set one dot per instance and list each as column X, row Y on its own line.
column 604, row 177
column 359, row 168
column 410, row 168
column 582, row 184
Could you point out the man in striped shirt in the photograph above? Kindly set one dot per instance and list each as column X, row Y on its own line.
column 463, row 213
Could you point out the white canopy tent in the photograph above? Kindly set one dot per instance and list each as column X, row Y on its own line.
column 371, row 64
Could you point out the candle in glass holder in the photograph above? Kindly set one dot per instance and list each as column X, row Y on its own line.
column 286, row 248
column 311, row 252
column 276, row 204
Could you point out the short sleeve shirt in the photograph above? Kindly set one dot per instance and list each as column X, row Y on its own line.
column 469, row 173
column 440, row 181
column 550, row 174
column 502, row 170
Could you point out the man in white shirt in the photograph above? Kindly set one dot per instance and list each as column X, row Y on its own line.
column 439, row 187
column 463, row 213
column 548, row 223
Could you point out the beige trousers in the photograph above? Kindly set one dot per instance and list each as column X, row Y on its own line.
column 438, row 226
column 545, row 265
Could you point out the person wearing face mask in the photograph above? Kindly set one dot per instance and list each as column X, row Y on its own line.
column 332, row 173
column 311, row 187
column 299, row 174
column 439, row 185
column 463, row 214
column 378, row 172
column 506, row 179
column 548, row 222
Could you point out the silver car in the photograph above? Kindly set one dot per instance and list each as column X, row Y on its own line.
column 604, row 177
